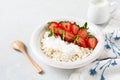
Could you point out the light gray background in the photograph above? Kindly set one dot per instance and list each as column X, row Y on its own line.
column 18, row 19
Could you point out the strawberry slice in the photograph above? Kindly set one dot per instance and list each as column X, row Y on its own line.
column 57, row 31
column 80, row 41
column 83, row 33
column 52, row 25
column 69, row 36
column 75, row 28
column 92, row 42
column 66, row 25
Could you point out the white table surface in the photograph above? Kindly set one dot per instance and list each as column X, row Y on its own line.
column 18, row 19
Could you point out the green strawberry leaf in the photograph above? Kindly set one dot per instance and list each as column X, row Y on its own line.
column 49, row 23
column 85, row 26
column 63, row 33
column 51, row 33
column 76, row 24
column 76, row 39
column 90, row 35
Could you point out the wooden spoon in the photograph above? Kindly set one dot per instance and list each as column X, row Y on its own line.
column 20, row 46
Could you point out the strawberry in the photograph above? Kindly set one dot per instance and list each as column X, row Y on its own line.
column 80, row 41
column 92, row 42
column 52, row 25
column 69, row 36
column 83, row 31
column 71, row 32
column 66, row 25
column 57, row 31
column 74, row 28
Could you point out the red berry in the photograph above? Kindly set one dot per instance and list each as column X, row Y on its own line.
column 69, row 36
column 83, row 33
column 66, row 25
column 52, row 25
column 92, row 42
column 74, row 29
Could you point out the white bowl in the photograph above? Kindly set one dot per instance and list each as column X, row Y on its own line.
column 38, row 34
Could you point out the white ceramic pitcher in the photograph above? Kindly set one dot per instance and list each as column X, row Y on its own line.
column 99, row 11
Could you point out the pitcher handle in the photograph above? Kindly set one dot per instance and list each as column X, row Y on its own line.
column 113, row 6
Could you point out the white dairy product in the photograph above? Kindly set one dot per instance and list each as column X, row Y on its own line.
column 58, row 44
column 61, row 50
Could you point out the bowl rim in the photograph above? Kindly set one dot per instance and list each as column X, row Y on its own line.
column 65, row 65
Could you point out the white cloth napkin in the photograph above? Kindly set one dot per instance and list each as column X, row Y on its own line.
column 112, row 37
column 107, row 69
column 99, row 70
column 112, row 44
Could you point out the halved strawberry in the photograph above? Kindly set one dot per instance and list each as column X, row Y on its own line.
column 83, row 33
column 65, row 25
column 52, row 25
column 69, row 36
column 74, row 28
column 57, row 31
column 92, row 42
column 80, row 41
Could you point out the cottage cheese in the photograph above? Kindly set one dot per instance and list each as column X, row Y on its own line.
column 60, row 50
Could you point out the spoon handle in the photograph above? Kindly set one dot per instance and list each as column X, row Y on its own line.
column 35, row 65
